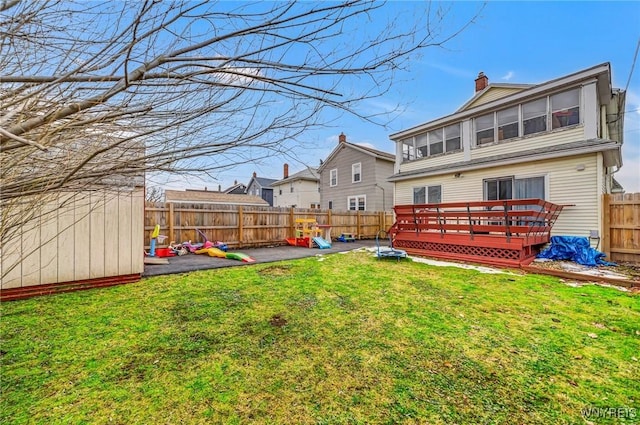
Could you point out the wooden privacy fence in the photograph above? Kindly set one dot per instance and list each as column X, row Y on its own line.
column 621, row 222
column 249, row 226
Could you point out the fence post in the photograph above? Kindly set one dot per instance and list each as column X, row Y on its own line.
column 292, row 228
column 606, row 225
column 240, row 223
column 171, row 235
column 329, row 217
column 358, row 224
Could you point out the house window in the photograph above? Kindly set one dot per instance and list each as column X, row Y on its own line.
column 436, row 144
column 291, row 187
column 333, row 177
column 427, row 195
column 280, row 192
column 452, row 137
column 357, row 203
column 356, row 175
column 484, row 129
column 330, row 205
column 514, row 188
column 565, row 108
column 422, row 147
column 408, row 150
column 508, row 123
column 534, row 116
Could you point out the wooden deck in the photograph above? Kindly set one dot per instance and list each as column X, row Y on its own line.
column 503, row 233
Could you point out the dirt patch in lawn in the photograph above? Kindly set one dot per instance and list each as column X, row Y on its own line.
column 277, row 321
column 275, row 271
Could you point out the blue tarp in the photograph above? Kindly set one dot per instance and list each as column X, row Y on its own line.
column 576, row 249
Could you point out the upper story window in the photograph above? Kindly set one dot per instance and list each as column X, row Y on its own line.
column 485, row 129
column 565, row 108
column 441, row 140
column 291, row 187
column 333, row 177
column 534, row 116
column 356, row 173
column 508, row 123
column 562, row 109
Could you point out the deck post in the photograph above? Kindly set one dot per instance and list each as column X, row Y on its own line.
column 470, row 222
column 171, row 235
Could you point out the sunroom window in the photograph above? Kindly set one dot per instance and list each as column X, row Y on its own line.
column 408, row 150
column 565, row 108
column 452, row 137
column 508, row 123
column 484, row 129
column 422, row 150
column 435, row 142
column 534, row 116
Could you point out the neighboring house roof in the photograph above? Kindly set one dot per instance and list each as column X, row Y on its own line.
column 309, row 173
column 220, row 198
column 600, row 72
column 262, row 182
column 238, row 188
column 610, row 149
column 616, row 187
column 386, row 156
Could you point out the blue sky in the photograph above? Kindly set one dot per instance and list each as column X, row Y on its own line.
column 516, row 42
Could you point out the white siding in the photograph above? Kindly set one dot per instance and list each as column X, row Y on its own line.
column 305, row 193
column 557, row 137
column 492, row 94
column 565, row 185
column 76, row 237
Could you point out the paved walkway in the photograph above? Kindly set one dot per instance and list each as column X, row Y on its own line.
column 191, row 262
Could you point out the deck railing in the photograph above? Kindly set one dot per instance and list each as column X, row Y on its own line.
column 506, row 218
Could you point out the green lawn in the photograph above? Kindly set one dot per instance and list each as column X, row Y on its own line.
column 349, row 339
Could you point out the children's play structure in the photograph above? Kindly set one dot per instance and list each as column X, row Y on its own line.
column 309, row 233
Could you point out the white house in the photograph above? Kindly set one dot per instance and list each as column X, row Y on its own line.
column 559, row 141
column 299, row 190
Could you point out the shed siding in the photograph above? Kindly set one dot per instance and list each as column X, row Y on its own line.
column 564, row 185
column 76, row 237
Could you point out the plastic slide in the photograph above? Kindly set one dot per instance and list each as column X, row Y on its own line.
column 240, row 257
column 322, row 244
column 215, row 252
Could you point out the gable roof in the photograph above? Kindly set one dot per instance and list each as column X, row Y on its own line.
column 493, row 91
column 263, row 182
column 309, row 173
column 386, row 156
column 601, row 73
column 237, row 188
column 207, row 197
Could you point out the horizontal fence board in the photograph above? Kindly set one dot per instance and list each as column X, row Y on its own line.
column 247, row 226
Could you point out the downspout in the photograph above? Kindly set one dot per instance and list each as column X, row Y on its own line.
column 383, row 196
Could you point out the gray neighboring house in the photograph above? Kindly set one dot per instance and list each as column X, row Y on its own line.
column 354, row 177
column 260, row 186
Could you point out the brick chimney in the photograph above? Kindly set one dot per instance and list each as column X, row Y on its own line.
column 481, row 82
column 285, row 171
column 254, row 175
column 342, row 138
